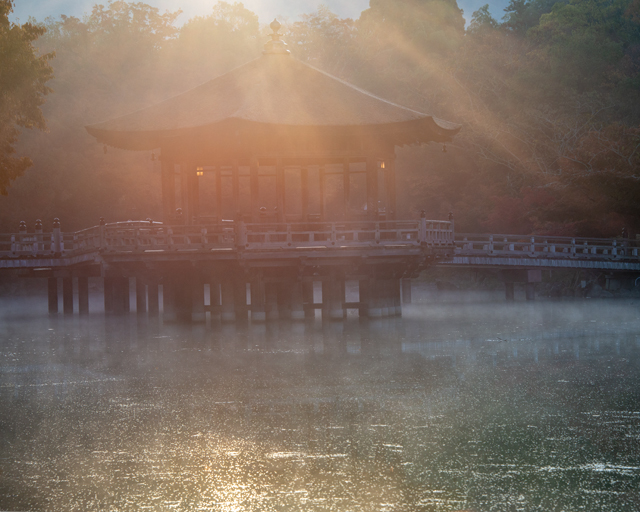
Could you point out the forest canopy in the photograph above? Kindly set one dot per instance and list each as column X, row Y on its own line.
column 548, row 96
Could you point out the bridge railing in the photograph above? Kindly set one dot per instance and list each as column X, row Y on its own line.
column 545, row 246
column 345, row 234
column 146, row 236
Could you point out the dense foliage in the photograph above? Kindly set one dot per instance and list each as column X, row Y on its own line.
column 23, row 78
column 548, row 96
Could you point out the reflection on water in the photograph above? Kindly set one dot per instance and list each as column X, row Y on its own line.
column 456, row 406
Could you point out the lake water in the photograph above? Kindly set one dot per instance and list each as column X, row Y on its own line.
column 463, row 404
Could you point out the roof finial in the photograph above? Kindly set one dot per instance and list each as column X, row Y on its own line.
column 275, row 46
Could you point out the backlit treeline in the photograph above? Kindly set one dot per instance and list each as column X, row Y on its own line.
column 548, row 96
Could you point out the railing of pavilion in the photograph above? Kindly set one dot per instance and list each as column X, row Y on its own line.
column 471, row 244
column 147, row 236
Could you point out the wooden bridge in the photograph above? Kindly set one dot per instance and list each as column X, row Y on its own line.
column 268, row 269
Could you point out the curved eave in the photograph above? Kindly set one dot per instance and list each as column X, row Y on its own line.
column 424, row 130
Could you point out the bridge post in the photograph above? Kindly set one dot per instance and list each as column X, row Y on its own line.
column 214, row 300
column 52, row 289
column 153, row 299
column 120, row 295
column 108, row 293
column 67, row 295
column 258, row 313
column 197, row 301
column 141, row 297
column 406, row 291
column 83, row 295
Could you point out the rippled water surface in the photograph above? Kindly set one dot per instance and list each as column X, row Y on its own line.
column 458, row 405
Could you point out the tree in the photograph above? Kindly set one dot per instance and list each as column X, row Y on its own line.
column 23, row 78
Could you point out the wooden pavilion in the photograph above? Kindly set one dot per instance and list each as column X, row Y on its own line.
column 303, row 163
column 270, row 135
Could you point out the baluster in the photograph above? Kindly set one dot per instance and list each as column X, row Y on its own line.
column 586, row 248
column 22, row 235
column 422, row 234
column 614, row 250
column 533, row 246
column 101, row 231
column 573, row 247
column 39, row 245
column 58, row 245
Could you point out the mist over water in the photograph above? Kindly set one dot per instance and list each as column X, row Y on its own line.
column 461, row 404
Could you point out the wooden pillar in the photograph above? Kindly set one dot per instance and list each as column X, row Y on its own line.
column 154, row 299
column 372, row 188
column 331, row 301
column 168, row 188
column 169, row 311
column 120, row 295
column 235, row 179
column 321, row 187
column 52, row 289
column 297, row 302
column 397, row 301
column 218, row 172
column 304, row 192
column 530, row 290
column 258, row 313
column 141, row 297
column 406, row 291
column 374, row 309
column 215, row 301
column 284, row 300
column 67, row 295
column 346, row 186
column 390, row 188
column 271, row 301
column 109, row 289
column 280, row 199
column 197, row 301
column 308, row 300
column 125, row 295
column 255, row 190
column 509, row 291
column 83, row 295
column 364, row 290
column 240, row 298
column 184, row 192
column 228, row 300
column 194, row 194
column 385, row 297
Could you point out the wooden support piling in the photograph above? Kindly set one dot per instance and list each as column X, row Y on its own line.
column 154, row 298
column 52, row 291
column 67, row 295
column 83, row 295
column 141, row 297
